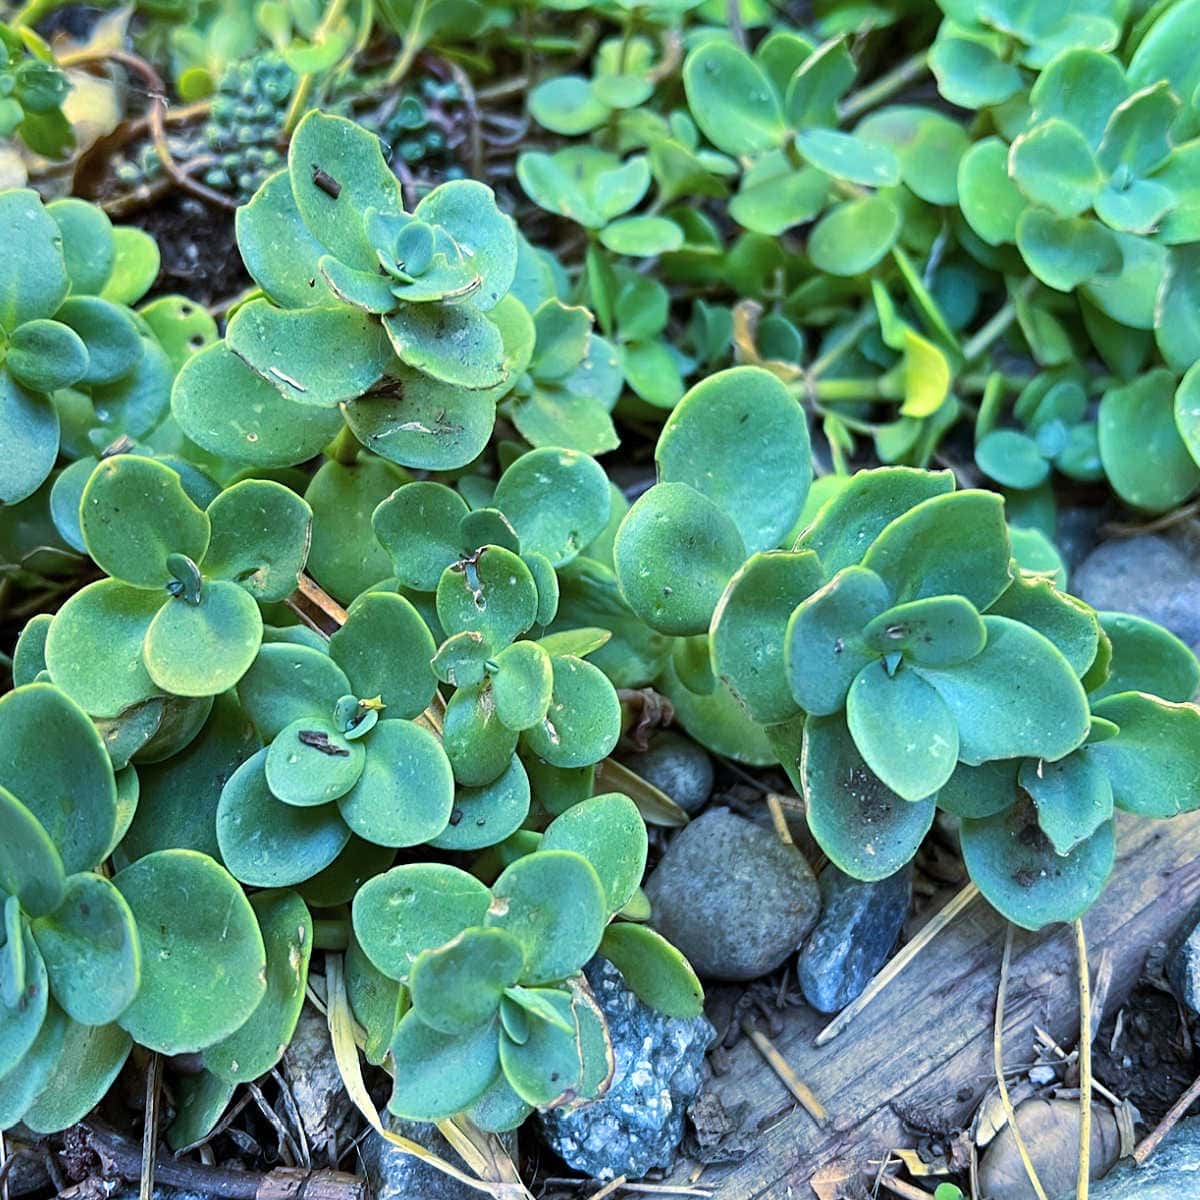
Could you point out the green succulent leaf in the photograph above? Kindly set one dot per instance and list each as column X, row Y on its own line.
column 522, row 685
column 34, row 283
column 311, row 762
column 1146, row 658
column 134, row 515
column 418, row 525
column 1074, row 797
column 864, row 827
column 89, row 944
column 257, row 1045
column 456, row 345
column 53, row 761
column 654, row 970
column 990, row 201
column 1068, row 623
column 732, row 99
column 440, row 1074
column 555, row 906
column 401, row 678
column 1064, row 252
column 288, row 682
column 1017, row 870
column 607, row 830
column 405, row 793
column 1018, row 698
column 485, row 816
column 46, row 355
column 749, row 630
column 413, row 908
column 824, row 650
column 548, row 1064
column 478, row 744
column 203, row 961
column 492, row 593
column 457, row 987
column 557, row 500
column 879, row 703
column 583, row 722
column 938, row 631
column 96, row 1054
column 230, row 410
column 31, row 867
column 34, row 1071
column 266, row 843
column 1152, row 757
column 260, row 535
column 853, row 237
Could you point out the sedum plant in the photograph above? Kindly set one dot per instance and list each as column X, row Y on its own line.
column 895, row 658
column 32, row 89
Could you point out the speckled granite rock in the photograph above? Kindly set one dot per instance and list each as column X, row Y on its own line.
column 735, row 899
column 677, row 766
column 1172, row 1172
column 638, row 1124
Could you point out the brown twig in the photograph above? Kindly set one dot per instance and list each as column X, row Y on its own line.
column 1149, row 1143
column 123, row 1158
column 783, row 1069
column 156, row 118
column 898, row 1187
column 893, row 968
column 998, row 1063
column 779, row 819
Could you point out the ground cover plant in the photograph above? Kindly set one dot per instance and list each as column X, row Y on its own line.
column 729, row 363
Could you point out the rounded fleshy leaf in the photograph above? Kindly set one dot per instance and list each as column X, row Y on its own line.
column 990, row 201
column 288, row 682
column 522, row 685
column 438, row 1074
column 406, row 790
column 1152, row 760
column 21, row 1085
column 865, row 828
column 20, row 1023
column 1146, row 658
column 938, row 631
column 478, row 744
column 852, row 237
column 30, row 866
column 741, row 440
column 749, row 630
column 584, row 719
column 732, row 99
column 134, row 515
column 53, row 761
column 418, row 525
column 457, row 987
column 558, row 936
column 96, row 1054
column 557, row 500
column 485, row 816
column 1017, row 698
column 547, row 1064
column 608, row 831
column 267, row 843
column 29, row 433
column 385, row 649
column 90, row 947
column 135, row 266
column 88, row 247
column 981, row 791
column 1073, row 797
column 34, row 282
column 492, row 593
column 654, row 970
column 254, row 1048
column 46, row 355
column 110, row 334
column 203, row 961
column 337, row 171
column 674, row 553
column 230, row 410
column 1017, row 870
column 311, row 762
column 413, row 908
column 205, row 648
column 260, row 536
column 878, row 704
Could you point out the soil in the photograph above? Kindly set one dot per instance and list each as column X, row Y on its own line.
column 199, row 250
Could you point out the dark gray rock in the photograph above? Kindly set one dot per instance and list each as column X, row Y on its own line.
column 1077, row 532
column 395, row 1175
column 858, row 927
column 734, row 898
column 1150, row 576
column 676, row 765
column 1183, row 962
column 637, row 1124
column 1172, row 1172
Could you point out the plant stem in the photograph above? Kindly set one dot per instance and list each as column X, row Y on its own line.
column 998, row 323
column 860, row 324
column 886, row 85
column 344, row 448
column 626, row 42
column 998, row 1063
column 1085, row 1065
column 304, row 85
column 412, row 45
column 331, row 934
column 34, row 10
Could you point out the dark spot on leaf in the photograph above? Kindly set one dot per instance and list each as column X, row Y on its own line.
column 320, row 741
column 326, row 182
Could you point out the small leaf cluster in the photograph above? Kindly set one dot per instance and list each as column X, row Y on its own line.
column 897, row 659
column 32, row 89
column 494, row 1016
column 168, row 952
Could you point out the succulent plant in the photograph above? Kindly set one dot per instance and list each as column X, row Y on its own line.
column 897, row 660
column 32, row 89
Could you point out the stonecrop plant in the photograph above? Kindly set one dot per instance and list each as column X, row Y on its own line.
column 334, row 603
column 895, row 658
